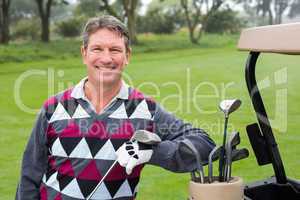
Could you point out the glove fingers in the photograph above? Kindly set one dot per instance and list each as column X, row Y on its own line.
column 123, row 160
column 130, row 165
column 123, row 156
column 144, row 156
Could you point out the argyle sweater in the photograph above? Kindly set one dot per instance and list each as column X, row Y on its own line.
column 72, row 147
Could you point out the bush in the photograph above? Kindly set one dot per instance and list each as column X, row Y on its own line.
column 224, row 21
column 26, row 28
column 70, row 27
column 159, row 21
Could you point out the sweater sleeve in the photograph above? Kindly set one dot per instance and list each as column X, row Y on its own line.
column 172, row 131
column 34, row 161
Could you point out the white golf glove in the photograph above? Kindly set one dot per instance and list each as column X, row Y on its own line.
column 133, row 153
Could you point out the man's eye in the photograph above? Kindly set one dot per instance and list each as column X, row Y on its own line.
column 96, row 49
column 116, row 50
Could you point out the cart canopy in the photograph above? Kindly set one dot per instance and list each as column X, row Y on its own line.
column 282, row 38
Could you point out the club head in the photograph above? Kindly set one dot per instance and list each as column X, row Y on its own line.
column 188, row 148
column 229, row 105
column 214, row 154
column 239, row 154
column 146, row 137
column 234, row 139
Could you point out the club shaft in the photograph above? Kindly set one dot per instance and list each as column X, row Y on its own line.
column 210, row 165
column 228, row 172
column 228, row 167
column 222, row 155
column 228, row 159
column 193, row 176
column 210, row 171
column 201, row 177
column 103, row 178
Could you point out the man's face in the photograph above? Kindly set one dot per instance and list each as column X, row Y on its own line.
column 105, row 57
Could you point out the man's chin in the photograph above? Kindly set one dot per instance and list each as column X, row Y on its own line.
column 106, row 81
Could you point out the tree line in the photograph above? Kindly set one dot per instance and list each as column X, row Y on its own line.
column 162, row 16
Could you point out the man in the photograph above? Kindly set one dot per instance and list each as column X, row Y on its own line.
column 80, row 132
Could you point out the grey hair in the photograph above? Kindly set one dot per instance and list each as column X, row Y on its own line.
column 105, row 21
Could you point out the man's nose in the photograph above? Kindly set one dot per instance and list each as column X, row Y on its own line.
column 106, row 57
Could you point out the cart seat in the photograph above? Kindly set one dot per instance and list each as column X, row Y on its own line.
column 283, row 38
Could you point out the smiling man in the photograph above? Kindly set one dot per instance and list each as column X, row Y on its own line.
column 80, row 132
column 105, row 53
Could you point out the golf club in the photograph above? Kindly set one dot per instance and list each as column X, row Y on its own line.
column 231, row 144
column 230, row 105
column 214, row 155
column 235, row 139
column 142, row 136
column 237, row 154
column 227, row 107
column 186, row 146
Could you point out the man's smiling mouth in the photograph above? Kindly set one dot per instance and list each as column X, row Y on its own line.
column 109, row 68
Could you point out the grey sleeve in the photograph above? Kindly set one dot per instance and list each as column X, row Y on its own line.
column 172, row 131
column 34, row 161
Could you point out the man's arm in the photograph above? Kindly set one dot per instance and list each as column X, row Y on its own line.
column 172, row 131
column 34, row 161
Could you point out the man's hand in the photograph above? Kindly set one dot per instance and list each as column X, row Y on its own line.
column 133, row 153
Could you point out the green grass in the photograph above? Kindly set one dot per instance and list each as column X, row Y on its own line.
column 164, row 61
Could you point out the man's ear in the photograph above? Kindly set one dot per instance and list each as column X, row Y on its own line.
column 128, row 55
column 83, row 53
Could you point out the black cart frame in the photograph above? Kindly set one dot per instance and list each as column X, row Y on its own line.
column 260, row 134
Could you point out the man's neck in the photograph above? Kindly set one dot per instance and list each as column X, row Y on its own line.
column 100, row 95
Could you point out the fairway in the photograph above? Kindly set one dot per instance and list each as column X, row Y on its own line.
column 189, row 80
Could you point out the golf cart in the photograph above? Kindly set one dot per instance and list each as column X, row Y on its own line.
column 283, row 39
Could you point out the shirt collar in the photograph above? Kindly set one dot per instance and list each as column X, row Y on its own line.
column 78, row 90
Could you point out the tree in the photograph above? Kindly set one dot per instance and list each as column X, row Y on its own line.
column 44, row 10
column 294, row 9
column 128, row 14
column 264, row 7
column 88, row 8
column 280, row 6
column 44, row 13
column 224, row 21
column 4, row 21
column 273, row 10
column 195, row 17
column 20, row 9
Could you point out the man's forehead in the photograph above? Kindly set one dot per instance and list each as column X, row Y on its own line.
column 106, row 32
column 106, row 36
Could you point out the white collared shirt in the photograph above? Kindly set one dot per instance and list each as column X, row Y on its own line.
column 78, row 93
